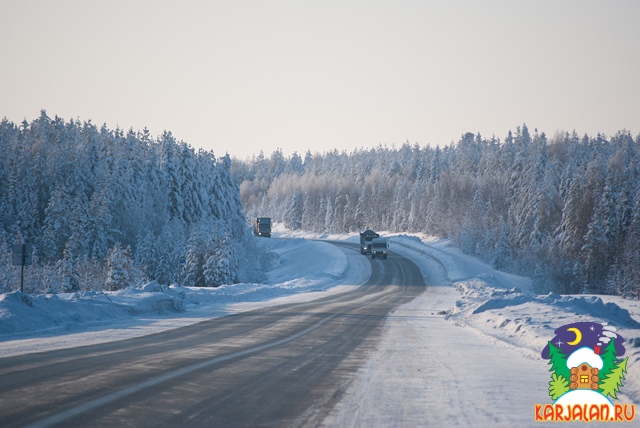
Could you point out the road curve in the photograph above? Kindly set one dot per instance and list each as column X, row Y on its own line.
column 282, row 366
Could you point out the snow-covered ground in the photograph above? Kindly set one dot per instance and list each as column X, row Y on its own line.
column 464, row 353
column 304, row 270
column 467, row 351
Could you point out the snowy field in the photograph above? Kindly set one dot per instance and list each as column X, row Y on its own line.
column 465, row 353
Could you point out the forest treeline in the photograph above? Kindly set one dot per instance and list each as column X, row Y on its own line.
column 564, row 210
column 105, row 209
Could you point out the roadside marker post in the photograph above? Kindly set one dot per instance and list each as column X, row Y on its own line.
column 22, row 256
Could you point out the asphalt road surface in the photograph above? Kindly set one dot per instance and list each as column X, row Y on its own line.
column 283, row 366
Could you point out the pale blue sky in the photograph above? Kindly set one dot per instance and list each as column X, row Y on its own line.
column 244, row 76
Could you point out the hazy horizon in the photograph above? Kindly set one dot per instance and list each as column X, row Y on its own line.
column 248, row 76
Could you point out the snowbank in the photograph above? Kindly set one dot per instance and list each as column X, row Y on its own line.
column 450, row 357
column 502, row 308
column 502, row 305
column 33, row 323
column 467, row 300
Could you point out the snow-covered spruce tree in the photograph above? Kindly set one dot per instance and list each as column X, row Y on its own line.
column 473, row 227
column 542, row 282
column 222, row 266
column 293, row 214
column 339, row 206
column 594, row 254
column 360, row 214
column 308, row 218
column 503, row 257
column 630, row 264
column 56, row 224
column 193, row 272
column 5, row 266
column 77, row 186
column 120, row 268
column 163, row 259
column 329, row 219
column 567, row 202
column 350, row 213
column 67, row 273
column 98, row 230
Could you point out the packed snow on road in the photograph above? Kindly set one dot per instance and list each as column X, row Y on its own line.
column 467, row 352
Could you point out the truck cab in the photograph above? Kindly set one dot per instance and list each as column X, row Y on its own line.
column 365, row 241
column 379, row 248
column 262, row 226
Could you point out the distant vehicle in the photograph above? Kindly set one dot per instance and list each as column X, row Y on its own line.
column 379, row 248
column 365, row 241
column 262, row 226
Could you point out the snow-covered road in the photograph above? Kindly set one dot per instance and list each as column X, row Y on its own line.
column 465, row 353
column 305, row 270
column 441, row 362
column 429, row 372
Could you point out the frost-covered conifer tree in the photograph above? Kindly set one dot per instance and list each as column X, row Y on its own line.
column 502, row 258
column 329, row 219
column 67, row 272
column 5, row 266
column 295, row 210
column 222, row 266
column 120, row 268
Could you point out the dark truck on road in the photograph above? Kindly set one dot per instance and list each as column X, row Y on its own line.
column 365, row 241
column 262, row 226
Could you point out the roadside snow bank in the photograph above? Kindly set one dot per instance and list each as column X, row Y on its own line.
column 502, row 308
column 467, row 351
column 32, row 323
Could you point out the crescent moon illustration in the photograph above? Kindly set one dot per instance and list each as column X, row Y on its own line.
column 578, row 336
